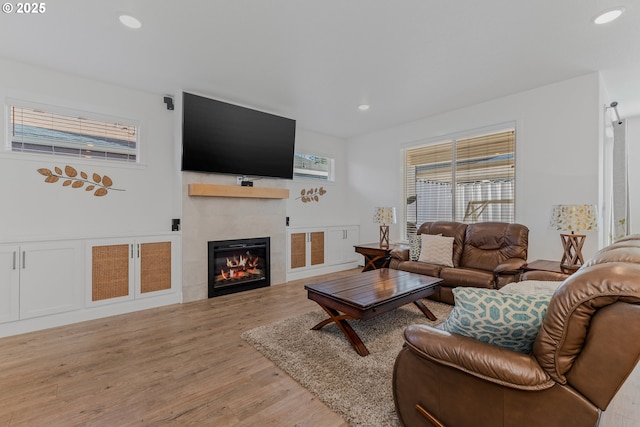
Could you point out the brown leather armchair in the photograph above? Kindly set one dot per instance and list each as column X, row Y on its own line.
column 587, row 347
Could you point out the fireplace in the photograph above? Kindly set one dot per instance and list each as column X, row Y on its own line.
column 238, row 265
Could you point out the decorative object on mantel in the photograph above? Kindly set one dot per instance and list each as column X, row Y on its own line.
column 100, row 185
column 311, row 195
column 573, row 218
column 384, row 216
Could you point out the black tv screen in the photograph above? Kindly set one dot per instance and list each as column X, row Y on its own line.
column 224, row 138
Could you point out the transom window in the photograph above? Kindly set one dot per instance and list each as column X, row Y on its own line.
column 469, row 179
column 71, row 133
column 310, row 166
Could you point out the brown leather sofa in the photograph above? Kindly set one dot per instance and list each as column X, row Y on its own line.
column 485, row 255
column 587, row 347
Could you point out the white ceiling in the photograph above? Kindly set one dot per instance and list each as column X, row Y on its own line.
column 315, row 61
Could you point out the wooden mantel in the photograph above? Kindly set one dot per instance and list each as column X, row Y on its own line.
column 213, row 190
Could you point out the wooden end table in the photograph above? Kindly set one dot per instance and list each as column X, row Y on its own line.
column 547, row 265
column 375, row 257
column 370, row 294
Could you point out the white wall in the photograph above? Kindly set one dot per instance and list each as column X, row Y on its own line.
column 558, row 135
column 32, row 208
column 333, row 207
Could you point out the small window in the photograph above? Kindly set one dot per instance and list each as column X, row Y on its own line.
column 309, row 166
column 76, row 134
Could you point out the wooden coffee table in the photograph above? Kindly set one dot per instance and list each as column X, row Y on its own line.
column 370, row 294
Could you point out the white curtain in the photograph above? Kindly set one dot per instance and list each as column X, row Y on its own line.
column 615, row 221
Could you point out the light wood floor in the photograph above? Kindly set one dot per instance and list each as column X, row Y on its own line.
column 183, row 364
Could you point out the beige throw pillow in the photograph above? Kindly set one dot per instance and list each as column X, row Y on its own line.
column 436, row 250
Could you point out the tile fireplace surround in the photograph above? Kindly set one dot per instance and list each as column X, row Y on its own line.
column 224, row 218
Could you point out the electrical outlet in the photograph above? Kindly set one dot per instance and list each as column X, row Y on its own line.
column 239, row 180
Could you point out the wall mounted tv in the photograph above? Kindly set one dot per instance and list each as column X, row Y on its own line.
column 225, row 138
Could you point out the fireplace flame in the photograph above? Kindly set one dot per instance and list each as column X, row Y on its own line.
column 240, row 266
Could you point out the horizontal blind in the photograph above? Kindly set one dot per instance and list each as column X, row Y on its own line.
column 485, row 157
column 485, row 175
column 47, row 132
column 468, row 179
column 428, row 184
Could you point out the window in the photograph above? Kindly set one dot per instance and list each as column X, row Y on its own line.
column 309, row 166
column 469, row 179
column 66, row 133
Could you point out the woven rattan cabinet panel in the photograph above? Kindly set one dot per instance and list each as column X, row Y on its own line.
column 306, row 248
column 317, row 247
column 155, row 266
column 298, row 250
column 110, row 271
column 122, row 269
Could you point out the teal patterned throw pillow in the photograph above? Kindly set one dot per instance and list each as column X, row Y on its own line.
column 506, row 320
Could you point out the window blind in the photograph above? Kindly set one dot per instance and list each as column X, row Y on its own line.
column 35, row 130
column 468, row 180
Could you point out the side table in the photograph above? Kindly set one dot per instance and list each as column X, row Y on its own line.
column 375, row 257
column 547, row 265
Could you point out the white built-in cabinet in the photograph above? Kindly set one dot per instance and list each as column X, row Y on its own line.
column 51, row 283
column 9, row 283
column 39, row 279
column 125, row 269
column 340, row 244
column 319, row 250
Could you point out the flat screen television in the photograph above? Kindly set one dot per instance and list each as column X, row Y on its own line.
column 224, row 138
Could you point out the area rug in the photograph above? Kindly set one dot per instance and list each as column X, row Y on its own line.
column 358, row 388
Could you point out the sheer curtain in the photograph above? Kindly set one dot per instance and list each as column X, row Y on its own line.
column 615, row 221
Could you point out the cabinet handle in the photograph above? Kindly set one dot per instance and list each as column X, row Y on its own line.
column 138, row 250
column 14, row 260
column 131, row 246
column 24, row 259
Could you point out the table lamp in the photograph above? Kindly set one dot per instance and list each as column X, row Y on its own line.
column 384, row 216
column 573, row 218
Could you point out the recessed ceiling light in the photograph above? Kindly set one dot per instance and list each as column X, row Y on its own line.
column 608, row 16
column 130, row 22
column 363, row 107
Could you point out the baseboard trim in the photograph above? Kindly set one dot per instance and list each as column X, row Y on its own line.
column 60, row 319
column 297, row 275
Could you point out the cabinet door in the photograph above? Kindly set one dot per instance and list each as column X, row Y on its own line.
column 316, row 243
column 50, row 278
column 9, row 283
column 352, row 238
column 298, row 250
column 335, row 243
column 155, row 272
column 110, row 271
column 340, row 242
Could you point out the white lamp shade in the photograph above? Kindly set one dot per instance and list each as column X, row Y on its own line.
column 384, row 215
column 574, row 218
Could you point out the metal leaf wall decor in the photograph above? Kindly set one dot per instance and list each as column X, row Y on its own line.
column 98, row 184
column 311, row 195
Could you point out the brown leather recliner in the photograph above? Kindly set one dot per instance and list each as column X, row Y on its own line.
column 485, row 255
column 587, row 347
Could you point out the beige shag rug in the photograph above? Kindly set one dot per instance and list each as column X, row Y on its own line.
column 358, row 388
